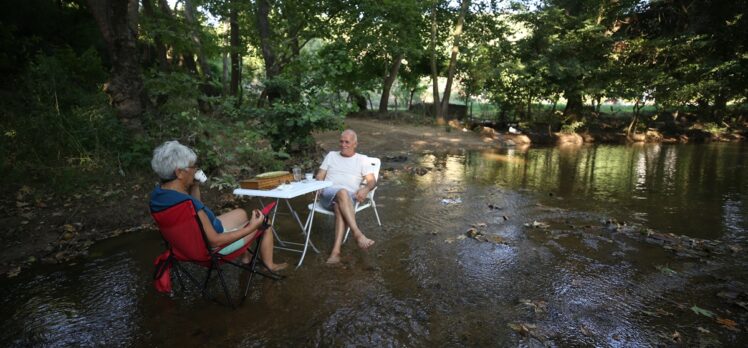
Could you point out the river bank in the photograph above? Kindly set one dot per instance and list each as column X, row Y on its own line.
column 50, row 224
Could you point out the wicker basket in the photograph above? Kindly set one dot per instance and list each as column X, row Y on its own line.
column 265, row 183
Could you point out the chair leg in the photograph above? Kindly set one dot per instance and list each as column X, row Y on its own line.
column 179, row 269
column 374, row 205
column 205, row 283
column 225, row 288
column 252, row 265
column 347, row 231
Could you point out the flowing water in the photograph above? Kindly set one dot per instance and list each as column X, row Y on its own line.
column 583, row 246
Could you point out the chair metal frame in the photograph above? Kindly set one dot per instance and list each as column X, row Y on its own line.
column 368, row 202
column 212, row 259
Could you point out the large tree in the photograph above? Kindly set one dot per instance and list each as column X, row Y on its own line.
column 457, row 36
column 118, row 24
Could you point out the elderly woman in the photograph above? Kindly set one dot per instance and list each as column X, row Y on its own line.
column 175, row 165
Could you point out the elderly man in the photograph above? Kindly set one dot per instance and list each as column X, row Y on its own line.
column 347, row 170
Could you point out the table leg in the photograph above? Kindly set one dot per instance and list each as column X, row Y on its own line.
column 308, row 230
column 301, row 226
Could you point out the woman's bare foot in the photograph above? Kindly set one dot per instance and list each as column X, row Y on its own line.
column 333, row 259
column 364, row 243
column 246, row 258
column 277, row 267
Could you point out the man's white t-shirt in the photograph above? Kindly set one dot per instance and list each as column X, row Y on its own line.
column 346, row 172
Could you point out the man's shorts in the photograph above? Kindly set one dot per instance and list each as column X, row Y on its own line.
column 328, row 194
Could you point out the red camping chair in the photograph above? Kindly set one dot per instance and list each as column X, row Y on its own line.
column 186, row 242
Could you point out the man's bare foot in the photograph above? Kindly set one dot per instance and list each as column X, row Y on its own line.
column 333, row 260
column 278, row 267
column 364, row 243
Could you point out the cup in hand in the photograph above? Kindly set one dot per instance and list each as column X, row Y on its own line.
column 200, row 176
column 296, row 174
column 309, row 176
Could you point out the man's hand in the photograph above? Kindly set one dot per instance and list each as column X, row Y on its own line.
column 361, row 194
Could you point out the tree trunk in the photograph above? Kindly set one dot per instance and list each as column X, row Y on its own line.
column 453, row 59
column 720, row 108
column 225, row 75
column 268, row 54
column 573, row 104
column 388, row 81
column 410, row 99
column 555, row 104
column 118, row 22
column 359, row 100
column 189, row 16
column 634, row 120
column 159, row 48
column 235, row 49
column 434, row 75
column 529, row 107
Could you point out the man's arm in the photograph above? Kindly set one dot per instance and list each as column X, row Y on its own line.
column 371, row 183
column 321, row 174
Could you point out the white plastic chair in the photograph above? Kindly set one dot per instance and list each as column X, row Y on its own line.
column 368, row 202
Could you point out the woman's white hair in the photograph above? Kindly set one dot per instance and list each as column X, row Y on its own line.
column 170, row 156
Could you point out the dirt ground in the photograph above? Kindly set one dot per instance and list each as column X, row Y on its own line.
column 383, row 138
column 42, row 225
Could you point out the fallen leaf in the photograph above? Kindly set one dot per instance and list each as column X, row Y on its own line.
column 538, row 306
column 585, row 330
column 676, row 337
column 537, row 224
column 666, row 270
column 449, row 240
column 473, row 233
column 662, row 312
column 14, row 272
column 703, row 330
column 461, row 237
column 702, row 311
column 480, row 225
column 68, row 228
column 495, row 239
column 522, row 328
column 728, row 324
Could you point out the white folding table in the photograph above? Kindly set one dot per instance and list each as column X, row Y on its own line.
column 287, row 192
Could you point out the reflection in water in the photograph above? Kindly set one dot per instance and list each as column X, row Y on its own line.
column 678, row 187
column 582, row 281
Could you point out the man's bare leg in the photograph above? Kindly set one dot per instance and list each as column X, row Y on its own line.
column 339, row 230
column 344, row 207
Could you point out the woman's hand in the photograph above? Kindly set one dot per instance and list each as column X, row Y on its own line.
column 257, row 218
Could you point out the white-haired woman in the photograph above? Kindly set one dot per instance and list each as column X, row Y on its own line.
column 175, row 164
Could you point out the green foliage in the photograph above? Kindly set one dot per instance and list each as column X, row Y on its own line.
column 714, row 128
column 289, row 126
column 59, row 117
column 572, row 127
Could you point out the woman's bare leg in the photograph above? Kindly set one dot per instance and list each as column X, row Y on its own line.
column 266, row 252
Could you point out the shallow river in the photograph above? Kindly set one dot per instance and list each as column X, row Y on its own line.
column 586, row 246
